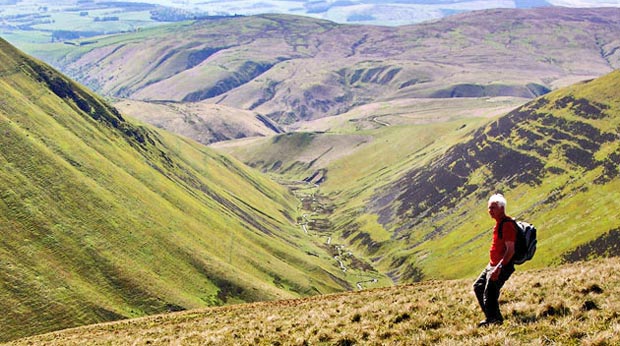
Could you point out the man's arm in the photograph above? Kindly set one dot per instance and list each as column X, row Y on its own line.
column 510, row 251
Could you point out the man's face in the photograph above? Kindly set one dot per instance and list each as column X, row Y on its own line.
column 495, row 210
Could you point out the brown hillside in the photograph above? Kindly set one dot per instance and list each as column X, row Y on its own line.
column 568, row 305
column 293, row 68
column 203, row 122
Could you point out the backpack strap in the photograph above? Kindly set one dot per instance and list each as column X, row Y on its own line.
column 500, row 233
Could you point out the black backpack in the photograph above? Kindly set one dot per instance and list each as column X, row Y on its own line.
column 525, row 246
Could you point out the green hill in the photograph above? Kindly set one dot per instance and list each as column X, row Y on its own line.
column 556, row 159
column 410, row 198
column 103, row 218
column 573, row 304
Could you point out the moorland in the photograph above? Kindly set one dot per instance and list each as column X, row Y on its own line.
column 363, row 158
column 574, row 304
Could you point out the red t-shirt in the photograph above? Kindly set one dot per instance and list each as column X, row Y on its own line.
column 498, row 247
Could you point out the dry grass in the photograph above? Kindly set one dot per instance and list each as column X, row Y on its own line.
column 206, row 123
column 572, row 304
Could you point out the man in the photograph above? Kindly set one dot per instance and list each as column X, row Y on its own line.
column 500, row 266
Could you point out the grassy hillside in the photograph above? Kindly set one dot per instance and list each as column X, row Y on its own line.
column 103, row 218
column 557, row 161
column 410, row 198
column 294, row 68
column 568, row 305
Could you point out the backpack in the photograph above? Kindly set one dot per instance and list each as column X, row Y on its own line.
column 525, row 245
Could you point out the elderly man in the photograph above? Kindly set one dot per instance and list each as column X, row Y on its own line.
column 500, row 266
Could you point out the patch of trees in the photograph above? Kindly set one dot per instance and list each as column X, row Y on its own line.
column 360, row 18
column 85, row 5
column 26, row 21
column 82, row 43
column 106, row 19
column 167, row 14
column 132, row 6
column 27, row 17
column 63, row 35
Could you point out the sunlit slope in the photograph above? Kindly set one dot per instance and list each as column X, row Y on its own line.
column 350, row 163
column 411, row 198
column 557, row 160
column 103, row 218
column 566, row 305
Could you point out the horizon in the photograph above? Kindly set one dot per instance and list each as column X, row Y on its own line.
column 368, row 12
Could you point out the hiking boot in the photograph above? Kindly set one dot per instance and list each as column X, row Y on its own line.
column 485, row 323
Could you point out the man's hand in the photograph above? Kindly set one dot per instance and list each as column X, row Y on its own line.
column 510, row 251
column 495, row 272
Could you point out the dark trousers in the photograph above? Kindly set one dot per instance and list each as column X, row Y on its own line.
column 487, row 291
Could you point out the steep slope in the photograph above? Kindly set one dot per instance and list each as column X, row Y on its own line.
column 103, row 218
column 293, row 68
column 573, row 304
column 557, row 159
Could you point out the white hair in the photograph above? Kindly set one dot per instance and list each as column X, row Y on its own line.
column 499, row 199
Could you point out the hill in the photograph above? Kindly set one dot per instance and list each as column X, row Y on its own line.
column 104, row 218
column 410, row 198
column 291, row 68
column 552, row 157
column 566, row 305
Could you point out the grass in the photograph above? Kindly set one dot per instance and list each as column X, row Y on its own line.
column 584, row 211
column 564, row 305
column 377, row 157
column 363, row 173
column 107, row 219
column 104, row 218
column 205, row 123
column 355, row 146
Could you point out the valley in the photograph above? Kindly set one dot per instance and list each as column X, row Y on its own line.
column 249, row 163
column 316, row 211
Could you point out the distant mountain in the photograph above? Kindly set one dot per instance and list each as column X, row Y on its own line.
column 294, row 68
column 104, row 219
column 373, row 12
